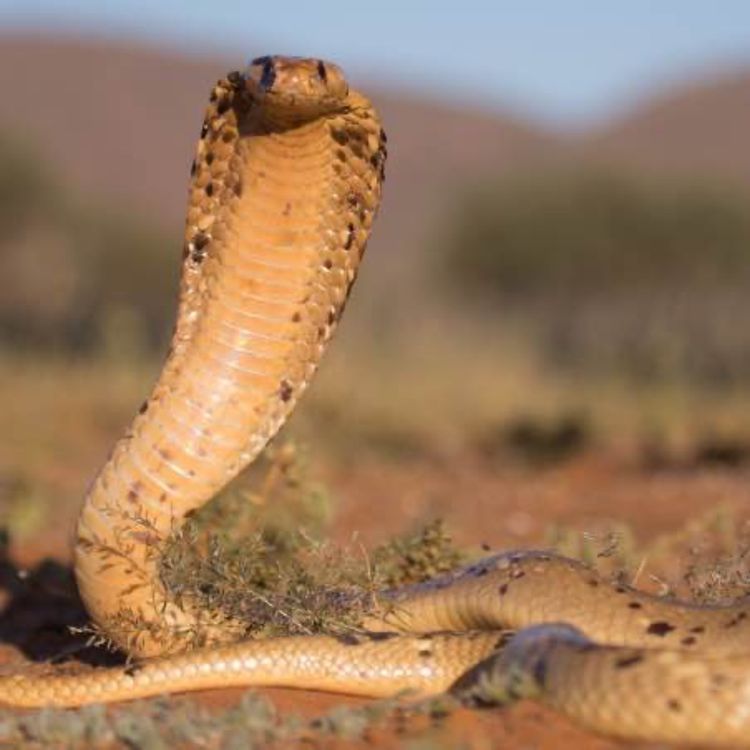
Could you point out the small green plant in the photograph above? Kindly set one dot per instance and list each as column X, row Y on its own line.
column 256, row 554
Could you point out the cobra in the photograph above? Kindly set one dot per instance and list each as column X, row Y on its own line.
column 284, row 189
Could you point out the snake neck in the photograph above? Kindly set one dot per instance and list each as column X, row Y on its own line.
column 278, row 217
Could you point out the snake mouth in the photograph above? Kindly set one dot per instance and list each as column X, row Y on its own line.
column 298, row 86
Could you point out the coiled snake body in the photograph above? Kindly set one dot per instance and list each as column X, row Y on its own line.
column 284, row 189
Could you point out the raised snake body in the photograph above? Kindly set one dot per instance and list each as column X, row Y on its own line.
column 284, row 189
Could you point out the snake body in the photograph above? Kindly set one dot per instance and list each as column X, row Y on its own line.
column 285, row 186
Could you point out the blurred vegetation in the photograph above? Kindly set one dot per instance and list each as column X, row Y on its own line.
column 76, row 276
column 646, row 278
column 594, row 306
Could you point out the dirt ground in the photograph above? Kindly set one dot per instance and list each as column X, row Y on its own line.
column 496, row 506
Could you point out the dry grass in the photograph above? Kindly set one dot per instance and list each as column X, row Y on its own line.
column 257, row 554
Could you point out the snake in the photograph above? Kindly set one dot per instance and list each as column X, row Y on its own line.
column 284, row 189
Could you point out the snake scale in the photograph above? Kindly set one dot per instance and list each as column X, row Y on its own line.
column 284, row 190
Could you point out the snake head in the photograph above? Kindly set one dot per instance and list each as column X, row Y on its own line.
column 298, row 86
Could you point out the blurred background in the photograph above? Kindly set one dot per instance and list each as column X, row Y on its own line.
column 561, row 265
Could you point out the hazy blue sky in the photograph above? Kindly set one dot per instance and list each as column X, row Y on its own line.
column 565, row 60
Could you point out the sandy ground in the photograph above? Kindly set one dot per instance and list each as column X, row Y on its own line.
column 500, row 507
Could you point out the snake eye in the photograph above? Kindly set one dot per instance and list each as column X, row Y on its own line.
column 269, row 75
column 267, row 71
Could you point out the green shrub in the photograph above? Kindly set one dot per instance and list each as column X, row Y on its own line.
column 645, row 279
column 74, row 275
column 593, row 233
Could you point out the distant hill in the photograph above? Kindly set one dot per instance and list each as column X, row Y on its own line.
column 694, row 129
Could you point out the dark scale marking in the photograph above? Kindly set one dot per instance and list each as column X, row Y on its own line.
column 193, row 168
column 210, row 158
column 287, row 209
column 698, row 629
column 384, row 635
column 322, row 72
column 321, row 332
column 635, row 605
column 593, row 583
column 503, row 590
column 674, row 705
column 197, row 247
column 621, row 590
column 285, row 390
column 328, row 264
column 340, row 137
column 236, row 79
column 425, row 653
column 200, row 240
column 689, row 640
column 237, row 187
column 134, row 491
column 223, row 106
column 227, row 136
column 660, row 628
column 736, row 620
column 628, row 661
column 296, row 317
column 349, row 639
column 502, row 641
column 144, row 408
column 209, row 189
column 204, row 130
column 349, row 237
column 331, row 317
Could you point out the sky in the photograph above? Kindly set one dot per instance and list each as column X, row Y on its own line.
column 569, row 62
